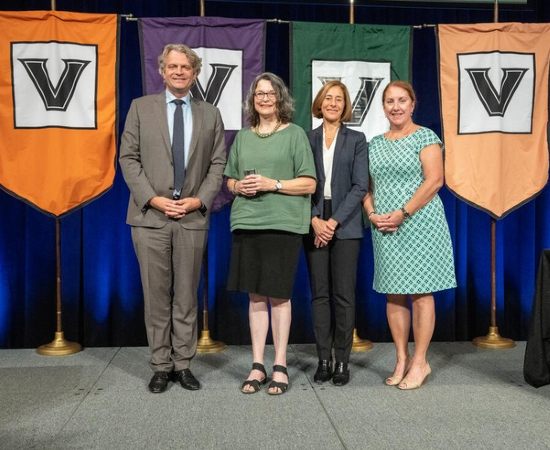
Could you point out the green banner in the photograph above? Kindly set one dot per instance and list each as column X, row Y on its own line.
column 336, row 45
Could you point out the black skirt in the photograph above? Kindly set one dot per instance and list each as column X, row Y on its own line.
column 264, row 262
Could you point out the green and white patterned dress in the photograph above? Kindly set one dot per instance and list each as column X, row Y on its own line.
column 418, row 257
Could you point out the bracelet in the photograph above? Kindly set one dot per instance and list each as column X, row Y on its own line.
column 406, row 214
column 233, row 190
column 371, row 213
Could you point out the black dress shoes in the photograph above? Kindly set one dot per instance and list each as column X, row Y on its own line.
column 340, row 375
column 186, row 379
column 159, row 382
column 324, row 371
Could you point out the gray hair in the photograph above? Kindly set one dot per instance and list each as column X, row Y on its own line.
column 194, row 60
column 285, row 103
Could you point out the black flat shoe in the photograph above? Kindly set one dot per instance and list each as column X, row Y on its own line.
column 283, row 387
column 159, row 382
column 186, row 379
column 255, row 384
column 324, row 371
column 340, row 377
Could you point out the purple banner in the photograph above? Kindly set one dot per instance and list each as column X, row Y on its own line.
column 232, row 52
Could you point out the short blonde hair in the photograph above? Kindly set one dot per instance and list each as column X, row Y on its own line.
column 317, row 103
column 194, row 60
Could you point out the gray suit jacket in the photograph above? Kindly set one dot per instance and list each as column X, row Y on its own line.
column 147, row 165
column 350, row 180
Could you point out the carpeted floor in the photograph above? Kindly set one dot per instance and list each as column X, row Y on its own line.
column 98, row 399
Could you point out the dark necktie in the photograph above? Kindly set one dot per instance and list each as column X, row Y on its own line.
column 178, row 148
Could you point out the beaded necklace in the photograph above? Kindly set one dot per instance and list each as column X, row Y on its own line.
column 266, row 135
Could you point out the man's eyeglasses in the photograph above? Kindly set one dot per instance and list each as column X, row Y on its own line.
column 270, row 95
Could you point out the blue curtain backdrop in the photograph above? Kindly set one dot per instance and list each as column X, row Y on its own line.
column 101, row 290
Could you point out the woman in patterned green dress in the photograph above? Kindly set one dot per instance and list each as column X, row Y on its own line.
column 413, row 255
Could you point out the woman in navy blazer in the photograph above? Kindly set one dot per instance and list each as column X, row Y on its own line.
column 332, row 247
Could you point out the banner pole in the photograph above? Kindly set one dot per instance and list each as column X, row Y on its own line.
column 358, row 345
column 205, row 344
column 493, row 339
column 59, row 346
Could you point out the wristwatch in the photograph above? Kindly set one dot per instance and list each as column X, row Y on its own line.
column 278, row 185
column 203, row 209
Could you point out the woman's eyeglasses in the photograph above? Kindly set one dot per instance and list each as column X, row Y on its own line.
column 261, row 95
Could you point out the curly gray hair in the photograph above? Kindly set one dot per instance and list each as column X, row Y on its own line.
column 285, row 103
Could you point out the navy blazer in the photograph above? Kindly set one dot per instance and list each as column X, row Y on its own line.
column 350, row 180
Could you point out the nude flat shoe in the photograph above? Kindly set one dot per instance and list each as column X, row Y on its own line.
column 407, row 385
column 396, row 379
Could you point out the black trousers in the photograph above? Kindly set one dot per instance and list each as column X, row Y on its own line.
column 333, row 276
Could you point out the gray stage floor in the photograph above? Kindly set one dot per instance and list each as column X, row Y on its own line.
column 98, row 399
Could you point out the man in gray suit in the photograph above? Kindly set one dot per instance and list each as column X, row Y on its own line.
column 169, row 207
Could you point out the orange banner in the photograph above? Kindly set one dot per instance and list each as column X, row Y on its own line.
column 58, row 107
column 494, row 107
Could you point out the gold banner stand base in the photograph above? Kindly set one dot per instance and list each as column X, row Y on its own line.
column 207, row 345
column 59, row 347
column 493, row 340
column 360, row 345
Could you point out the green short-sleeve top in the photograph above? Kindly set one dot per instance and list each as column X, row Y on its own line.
column 284, row 155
